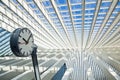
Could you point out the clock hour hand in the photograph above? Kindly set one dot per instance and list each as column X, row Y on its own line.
column 25, row 40
column 22, row 42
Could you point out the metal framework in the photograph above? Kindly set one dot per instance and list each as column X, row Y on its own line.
column 61, row 24
column 79, row 30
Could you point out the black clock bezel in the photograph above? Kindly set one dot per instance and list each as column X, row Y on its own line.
column 14, row 42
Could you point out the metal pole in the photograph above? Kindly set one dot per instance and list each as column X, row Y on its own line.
column 35, row 63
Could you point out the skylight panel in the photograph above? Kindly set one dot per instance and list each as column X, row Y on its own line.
column 105, row 4
column 55, row 19
column 78, row 26
column 44, row 20
column 67, row 21
column 14, row 1
column 111, row 19
column 63, row 8
column 117, row 10
column 75, row 1
column 76, row 12
column 101, row 15
column 87, row 20
column 32, row 5
column 90, row 0
column 95, row 29
column 64, row 13
column 89, row 16
column 113, row 14
column 61, row 30
column 37, row 11
column 86, row 25
column 76, row 17
column 76, row 7
column 57, row 22
column 109, row 22
column 46, row 3
column 40, row 16
column 78, row 23
column 99, row 21
column 77, row 20
column 103, row 10
column 89, row 11
column 21, row 8
column 50, row 9
column 52, row 15
column 66, row 18
column 61, row 2
column 28, row 0
column 93, row 5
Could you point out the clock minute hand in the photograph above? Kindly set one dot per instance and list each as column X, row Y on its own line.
column 29, row 38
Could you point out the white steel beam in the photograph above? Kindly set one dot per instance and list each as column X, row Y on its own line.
column 112, row 35
column 22, row 3
column 14, row 9
column 93, row 22
column 82, row 30
column 60, row 18
column 72, row 21
column 111, row 8
column 11, row 27
column 42, row 9
column 117, row 19
column 114, row 40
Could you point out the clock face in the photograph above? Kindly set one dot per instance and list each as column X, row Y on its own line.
column 22, row 42
column 25, row 42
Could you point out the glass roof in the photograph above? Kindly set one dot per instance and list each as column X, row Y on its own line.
column 62, row 24
column 84, row 34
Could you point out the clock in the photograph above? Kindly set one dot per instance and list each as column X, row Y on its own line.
column 21, row 42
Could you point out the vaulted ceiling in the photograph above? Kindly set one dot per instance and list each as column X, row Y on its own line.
column 85, row 33
column 65, row 24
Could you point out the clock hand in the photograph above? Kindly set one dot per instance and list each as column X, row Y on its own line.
column 21, row 42
column 29, row 38
column 25, row 40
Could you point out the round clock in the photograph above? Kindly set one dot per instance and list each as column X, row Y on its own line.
column 21, row 42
